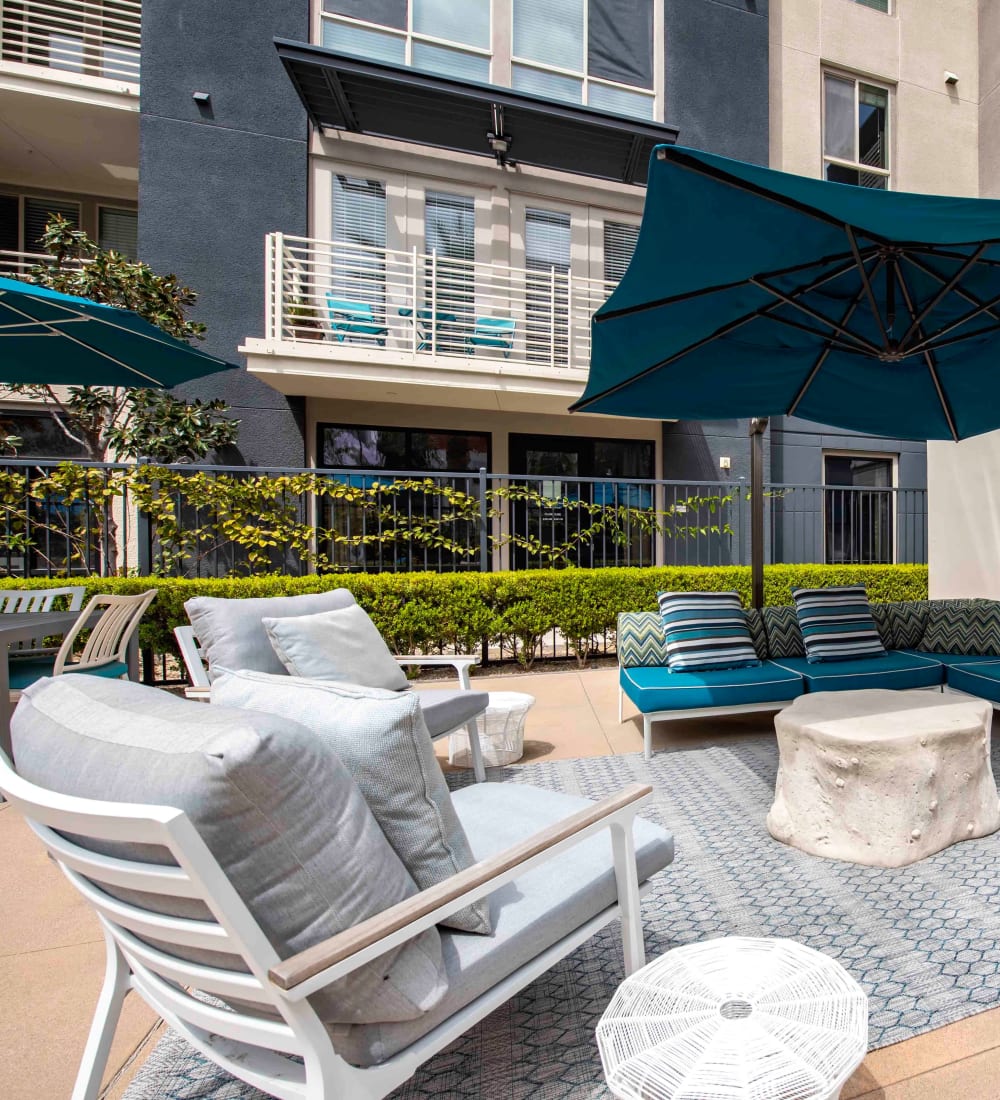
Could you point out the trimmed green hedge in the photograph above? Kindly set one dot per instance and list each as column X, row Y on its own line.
column 420, row 612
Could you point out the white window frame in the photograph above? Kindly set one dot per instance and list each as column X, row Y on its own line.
column 117, row 209
column 856, row 165
column 650, row 93
column 24, row 196
column 890, row 456
column 409, row 35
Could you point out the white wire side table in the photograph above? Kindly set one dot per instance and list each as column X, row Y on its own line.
column 734, row 1019
column 501, row 731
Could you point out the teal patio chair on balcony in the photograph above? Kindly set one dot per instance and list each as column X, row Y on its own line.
column 349, row 318
column 493, row 332
column 435, row 328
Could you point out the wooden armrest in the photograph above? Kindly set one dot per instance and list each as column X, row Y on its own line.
column 299, row 968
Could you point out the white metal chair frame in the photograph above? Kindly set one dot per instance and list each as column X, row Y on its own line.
column 14, row 600
column 201, row 686
column 256, row 1049
column 109, row 637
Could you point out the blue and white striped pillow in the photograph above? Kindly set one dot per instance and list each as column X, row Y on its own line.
column 837, row 623
column 705, row 631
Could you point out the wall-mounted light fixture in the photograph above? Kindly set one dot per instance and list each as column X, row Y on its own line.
column 201, row 97
column 950, row 77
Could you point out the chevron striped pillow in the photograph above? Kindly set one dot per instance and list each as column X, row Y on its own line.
column 705, row 630
column 837, row 623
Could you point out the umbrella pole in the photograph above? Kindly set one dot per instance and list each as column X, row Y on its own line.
column 758, row 425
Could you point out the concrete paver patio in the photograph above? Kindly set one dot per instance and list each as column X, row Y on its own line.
column 52, row 952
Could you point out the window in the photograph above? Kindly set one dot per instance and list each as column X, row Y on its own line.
column 437, row 35
column 547, row 255
column 875, row 5
column 855, row 132
column 357, row 263
column 118, row 229
column 619, row 244
column 859, row 508
column 22, row 222
column 450, row 235
column 556, row 53
column 406, row 449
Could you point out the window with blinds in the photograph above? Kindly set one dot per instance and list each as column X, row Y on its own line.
column 450, row 237
column 547, row 257
column 118, row 230
column 359, row 233
column 38, row 212
column 619, row 245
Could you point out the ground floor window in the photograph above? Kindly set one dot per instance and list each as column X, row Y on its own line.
column 455, row 454
column 554, row 466
column 859, row 509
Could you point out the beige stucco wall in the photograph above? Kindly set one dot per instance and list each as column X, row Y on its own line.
column 933, row 126
column 963, row 479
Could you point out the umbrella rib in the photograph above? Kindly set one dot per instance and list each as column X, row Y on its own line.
column 929, row 358
column 917, row 322
column 934, row 339
column 625, row 311
column 866, row 284
column 787, row 299
column 960, row 291
column 7, row 329
column 937, row 345
column 827, row 338
column 728, row 327
column 855, row 302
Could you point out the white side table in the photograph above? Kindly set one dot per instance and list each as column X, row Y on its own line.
column 501, row 731
column 736, row 1018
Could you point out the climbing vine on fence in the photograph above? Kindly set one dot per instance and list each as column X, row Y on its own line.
column 265, row 522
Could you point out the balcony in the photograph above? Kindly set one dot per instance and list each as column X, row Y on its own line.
column 84, row 43
column 18, row 265
column 344, row 319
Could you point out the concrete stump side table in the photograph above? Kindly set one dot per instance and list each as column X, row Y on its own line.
column 883, row 778
column 501, row 731
column 744, row 1019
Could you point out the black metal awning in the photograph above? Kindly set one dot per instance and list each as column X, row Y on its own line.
column 343, row 92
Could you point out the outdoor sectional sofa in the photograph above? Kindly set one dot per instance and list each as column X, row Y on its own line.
column 951, row 645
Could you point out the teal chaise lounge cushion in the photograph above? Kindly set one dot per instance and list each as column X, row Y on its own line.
column 980, row 678
column 24, row 671
column 654, row 688
column 896, row 670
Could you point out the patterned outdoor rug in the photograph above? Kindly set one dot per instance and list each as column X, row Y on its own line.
column 923, row 941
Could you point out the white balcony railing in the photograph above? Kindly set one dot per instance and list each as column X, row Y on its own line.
column 17, row 265
column 425, row 305
column 88, row 37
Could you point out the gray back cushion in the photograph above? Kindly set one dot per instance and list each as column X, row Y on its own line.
column 382, row 738
column 232, row 632
column 275, row 806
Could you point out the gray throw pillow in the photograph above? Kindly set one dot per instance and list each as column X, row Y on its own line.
column 274, row 805
column 232, row 632
column 382, row 739
column 335, row 645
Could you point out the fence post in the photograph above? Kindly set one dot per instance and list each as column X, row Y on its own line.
column 484, row 519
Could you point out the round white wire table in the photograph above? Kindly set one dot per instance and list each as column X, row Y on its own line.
column 734, row 1019
column 501, row 731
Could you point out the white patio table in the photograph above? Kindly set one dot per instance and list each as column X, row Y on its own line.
column 23, row 626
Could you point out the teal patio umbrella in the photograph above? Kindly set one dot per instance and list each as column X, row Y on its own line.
column 757, row 293
column 60, row 339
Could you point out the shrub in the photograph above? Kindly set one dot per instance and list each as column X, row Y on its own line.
column 427, row 612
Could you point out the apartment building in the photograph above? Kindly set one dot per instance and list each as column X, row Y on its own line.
column 400, row 214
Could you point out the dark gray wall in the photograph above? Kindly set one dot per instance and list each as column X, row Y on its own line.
column 716, row 78
column 214, row 180
column 716, row 93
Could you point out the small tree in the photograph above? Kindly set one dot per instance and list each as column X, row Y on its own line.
column 121, row 421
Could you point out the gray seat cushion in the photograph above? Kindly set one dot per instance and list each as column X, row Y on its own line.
column 277, row 809
column 445, row 710
column 530, row 914
column 232, row 634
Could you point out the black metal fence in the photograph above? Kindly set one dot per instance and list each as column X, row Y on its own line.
column 203, row 521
